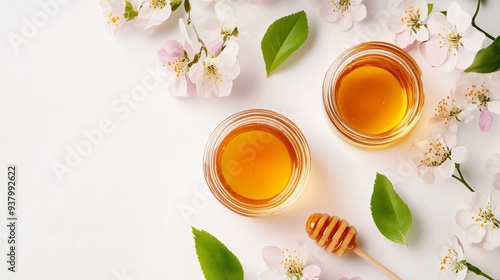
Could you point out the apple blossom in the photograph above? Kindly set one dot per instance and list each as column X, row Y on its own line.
column 343, row 12
column 288, row 263
column 408, row 23
column 480, row 219
column 453, row 41
column 438, row 153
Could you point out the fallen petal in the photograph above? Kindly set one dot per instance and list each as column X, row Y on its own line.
column 485, row 120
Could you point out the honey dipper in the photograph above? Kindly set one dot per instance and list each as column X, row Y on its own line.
column 336, row 236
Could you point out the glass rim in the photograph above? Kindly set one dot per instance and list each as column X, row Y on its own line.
column 391, row 53
column 300, row 172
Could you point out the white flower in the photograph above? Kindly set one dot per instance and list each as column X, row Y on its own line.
column 481, row 218
column 408, row 23
column 453, row 265
column 449, row 112
column 225, row 16
column 481, row 91
column 288, row 263
column 113, row 15
column 215, row 74
column 225, row 24
column 437, row 153
column 453, row 41
column 494, row 161
column 175, row 58
column 152, row 13
column 343, row 12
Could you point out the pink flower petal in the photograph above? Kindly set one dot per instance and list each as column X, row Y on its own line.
column 454, row 12
column 312, row 272
column 492, row 240
column 436, row 23
column 422, row 34
column 427, row 175
column 395, row 24
column 404, row 39
column 358, row 13
column 171, row 51
column 485, row 119
column 326, row 12
column 215, row 47
column 433, row 53
column 345, row 22
column 463, row 219
column 459, row 154
column 446, row 169
column 272, row 257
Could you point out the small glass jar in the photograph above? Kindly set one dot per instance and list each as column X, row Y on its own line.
column 373, row 94
column 257, row 162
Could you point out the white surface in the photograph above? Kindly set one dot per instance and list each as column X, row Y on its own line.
column 117, row 215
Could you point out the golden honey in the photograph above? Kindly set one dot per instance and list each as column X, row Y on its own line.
column 370, row 99
column 373, row 94
column 255, row 162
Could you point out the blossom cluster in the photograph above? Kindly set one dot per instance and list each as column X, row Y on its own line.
column 448, row 41
column 145, row 14
column 441, row 154
column 212, row 69
column 200, row 70
column 445, row 41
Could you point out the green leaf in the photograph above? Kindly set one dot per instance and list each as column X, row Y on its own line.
column 175, row 4
column 487, row 60
column 390, row 213
column 129, row 13
column 282, row 38
column 216, row 261
column 430, row 6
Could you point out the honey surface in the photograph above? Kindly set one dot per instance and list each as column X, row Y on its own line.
column 255, row 162
column 371, row 100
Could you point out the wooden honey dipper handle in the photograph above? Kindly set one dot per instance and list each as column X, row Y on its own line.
column 336, row 236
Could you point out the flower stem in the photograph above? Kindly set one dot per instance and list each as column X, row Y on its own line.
column 478, row 271
column 203, row 46
column 461, row 179
column 474, row 21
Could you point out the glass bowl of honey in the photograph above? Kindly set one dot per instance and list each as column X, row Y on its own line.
column 373, row 94
column 257, row 162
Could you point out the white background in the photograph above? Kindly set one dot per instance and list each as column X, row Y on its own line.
column 119, row 213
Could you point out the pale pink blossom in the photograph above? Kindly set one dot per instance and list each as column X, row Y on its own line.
column 225, row 24
column 288, row 262
column 175, row 58
column 343, row 12
column 450, row 112
column 214, row 74
column 480, row 91
column 113, row 15
column 453, row 41
column 152, row 13
column 407, row 22
column 438, row 154
column 480, row 219
column 453, row 265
